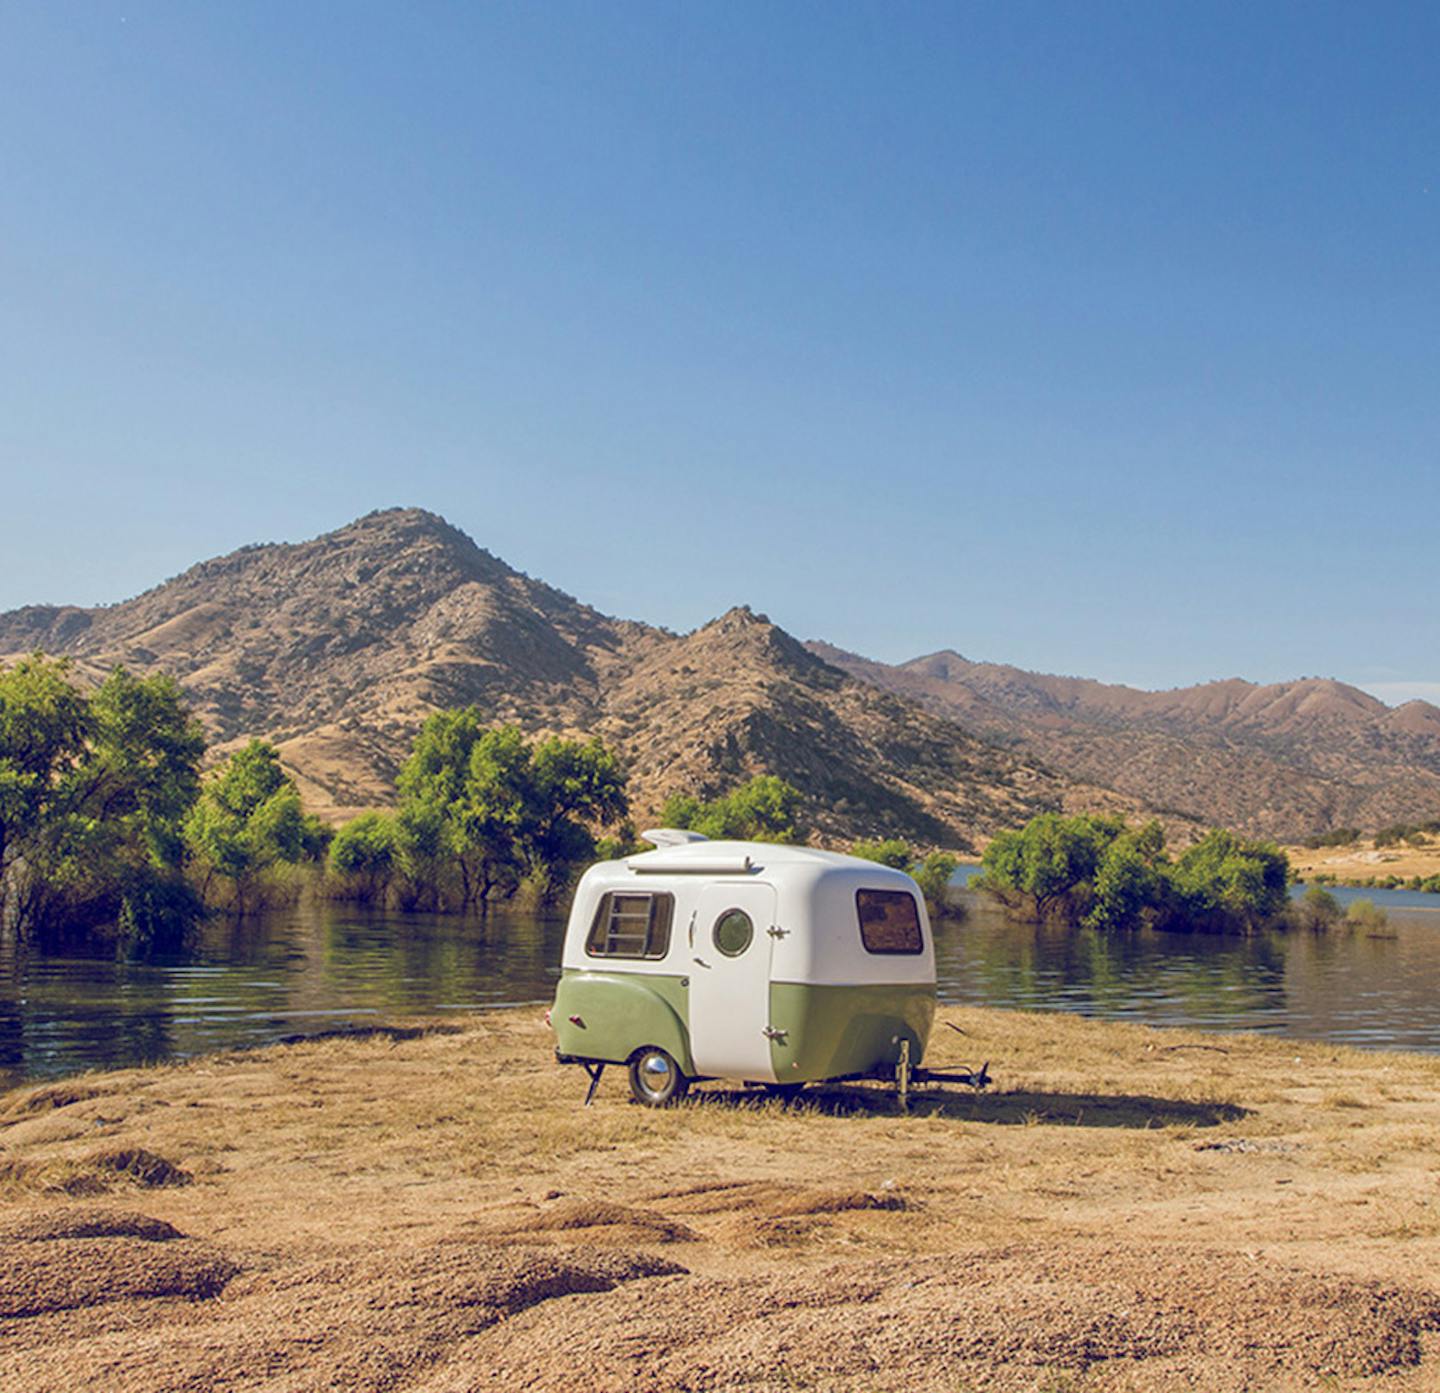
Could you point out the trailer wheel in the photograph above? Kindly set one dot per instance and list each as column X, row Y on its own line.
column 655, row 1078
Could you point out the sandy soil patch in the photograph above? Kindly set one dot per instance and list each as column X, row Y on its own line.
column 1364, row 861
column 435, row 1211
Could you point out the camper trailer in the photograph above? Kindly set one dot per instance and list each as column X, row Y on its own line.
column 769, row 965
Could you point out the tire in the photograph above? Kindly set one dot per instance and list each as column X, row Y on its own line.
column 655, row 1078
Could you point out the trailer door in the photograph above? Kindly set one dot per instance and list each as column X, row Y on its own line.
column 730, row 982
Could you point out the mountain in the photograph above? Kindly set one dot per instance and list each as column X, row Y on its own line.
column 337, row 648
column 1286, row 760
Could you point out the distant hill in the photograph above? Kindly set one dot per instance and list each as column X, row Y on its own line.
column 338, row 647
column 1284, row 760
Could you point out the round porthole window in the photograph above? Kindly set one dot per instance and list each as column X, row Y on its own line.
column 733, row 932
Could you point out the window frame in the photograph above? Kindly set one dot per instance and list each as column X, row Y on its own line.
column 914, row 952
column 715, row 932
column 659, row 922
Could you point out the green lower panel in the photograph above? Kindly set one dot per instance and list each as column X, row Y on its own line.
column 833, row 1031
column 618, row 1012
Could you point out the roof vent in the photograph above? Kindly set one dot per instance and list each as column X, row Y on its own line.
column 671, row 836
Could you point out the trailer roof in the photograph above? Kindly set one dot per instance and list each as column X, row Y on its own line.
column 723, row 858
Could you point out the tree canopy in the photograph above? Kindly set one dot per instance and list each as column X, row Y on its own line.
column 248, row 818
column 486, row 809
column 1100, row 872
column 94, row 789
column 766, row 809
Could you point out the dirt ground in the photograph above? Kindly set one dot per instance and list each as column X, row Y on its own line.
column 433, row 1210
column 1365, row 861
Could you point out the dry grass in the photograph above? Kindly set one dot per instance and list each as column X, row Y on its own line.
column 1168, row 1162
column 1363, row 860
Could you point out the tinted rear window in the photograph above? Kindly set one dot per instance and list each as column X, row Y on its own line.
column 631, row 926
column 889, row 921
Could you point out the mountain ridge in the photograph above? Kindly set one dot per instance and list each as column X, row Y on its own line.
column 337, row 647
column 1282, row 759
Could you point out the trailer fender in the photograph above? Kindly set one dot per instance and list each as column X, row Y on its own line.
column 609, row 1015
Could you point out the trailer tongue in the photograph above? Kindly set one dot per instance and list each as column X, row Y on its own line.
column 906, row 1077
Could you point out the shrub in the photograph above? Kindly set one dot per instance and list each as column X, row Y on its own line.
column 890, row 852
column 1048, row 867
column 932, row 874
column 764, row 810
column 1097, row 871
column 1317, row 910
column 368, row 852
column 1367, row 917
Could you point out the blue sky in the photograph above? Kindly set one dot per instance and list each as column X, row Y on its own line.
column 1098, row 338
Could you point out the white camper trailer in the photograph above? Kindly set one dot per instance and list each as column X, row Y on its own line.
column 772, row 965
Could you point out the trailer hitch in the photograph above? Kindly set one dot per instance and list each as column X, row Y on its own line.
column 909, row 1076
column 972, row 1078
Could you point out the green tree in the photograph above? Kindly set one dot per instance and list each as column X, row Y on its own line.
column 624, row 841
column 44, row 731
column 890, row 851
column 571, row 786
column 932, row 873
column 369, row 852
column 1048, row 867
column 766, row 809
column 1227, row 881
column 93, row 792
column 1316, row 910
column 1130, row 880
column 1367, row 917
column 247, row 819
column 461, row 804
column 1096, row 871
column 494, row 808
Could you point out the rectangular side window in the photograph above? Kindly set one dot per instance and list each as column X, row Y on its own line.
column 889, row 921
column 631, row 926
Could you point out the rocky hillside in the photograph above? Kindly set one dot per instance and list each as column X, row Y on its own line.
column 337, row 648
column 1284, row 760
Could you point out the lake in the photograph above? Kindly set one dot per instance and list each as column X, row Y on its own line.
column 327, row 966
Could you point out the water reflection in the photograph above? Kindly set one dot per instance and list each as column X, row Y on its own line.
column 259, row 979
column 305, row 970
column 1342, row 986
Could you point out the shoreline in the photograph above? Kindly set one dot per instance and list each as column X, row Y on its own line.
column 319, row 1186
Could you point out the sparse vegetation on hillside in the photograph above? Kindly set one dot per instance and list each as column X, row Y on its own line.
column 338, row 648
column 1101, row 873
column 1408, row 833
column 1269, row 761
